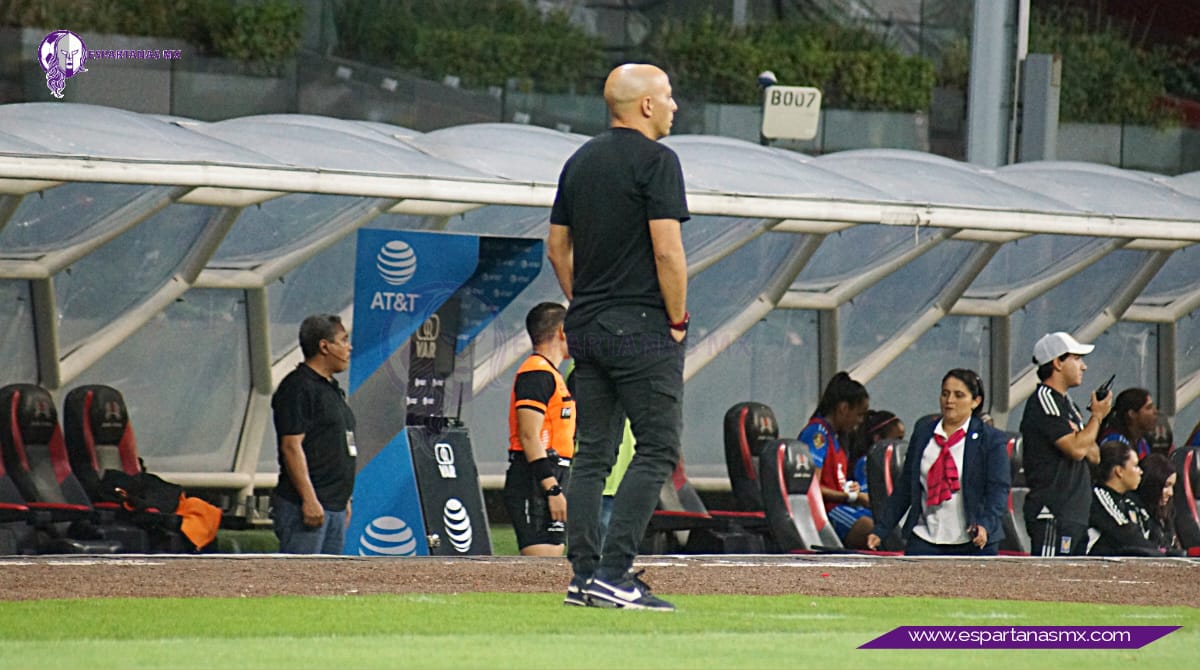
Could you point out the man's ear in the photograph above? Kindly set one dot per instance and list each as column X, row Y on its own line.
column 647, row 107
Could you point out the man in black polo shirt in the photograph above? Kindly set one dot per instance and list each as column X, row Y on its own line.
column 315, row 429
column 617, row 249
column 1058, row 449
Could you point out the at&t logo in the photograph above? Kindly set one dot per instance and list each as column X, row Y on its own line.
column 458, row 525
column 387, row 536
column 396, row 263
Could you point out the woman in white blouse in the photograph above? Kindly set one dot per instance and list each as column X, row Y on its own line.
column 956, row 478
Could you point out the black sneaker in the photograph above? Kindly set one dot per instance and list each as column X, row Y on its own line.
column 577, row 593
column 629, row 592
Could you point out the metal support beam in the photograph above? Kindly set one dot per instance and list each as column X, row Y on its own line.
column 827, row 345
column 1000, row 355
column 8, row 207
column 1168, row 371
column 45, row 331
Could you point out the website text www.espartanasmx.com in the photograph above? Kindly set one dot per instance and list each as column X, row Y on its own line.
column 1019, row 637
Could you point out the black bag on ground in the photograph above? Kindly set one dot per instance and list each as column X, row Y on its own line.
column 141, row 492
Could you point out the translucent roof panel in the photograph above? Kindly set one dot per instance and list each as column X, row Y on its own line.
column 772, row 363
column 182, row 425
column 881, row 311
column 64, row 216
column 728, row 287
column 707, row 241
column 1186, row 183
column 1181, row 273
column 866, row 245
column 330, row 146
column 502, row 220
column 1071, row 304
column 278, row 225
column 718, row 163
column 511, row 151
column 97, row 288
column 910, row 385
column 104, row 132
column 1100, row 188
column 1028, row 259
column 17, row 344
column 916, row 177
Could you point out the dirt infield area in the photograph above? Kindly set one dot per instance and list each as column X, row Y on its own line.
column 1111, row 581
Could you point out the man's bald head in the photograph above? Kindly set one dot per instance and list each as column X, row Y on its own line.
column 639, row 97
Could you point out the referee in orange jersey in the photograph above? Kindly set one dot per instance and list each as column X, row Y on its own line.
column 541, row 438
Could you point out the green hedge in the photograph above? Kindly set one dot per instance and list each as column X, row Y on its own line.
column 1106, row 77
column 260, row 32
column 482, row 42
column 712, row 60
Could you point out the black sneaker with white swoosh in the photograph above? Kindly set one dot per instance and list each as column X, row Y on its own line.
column 629, row 592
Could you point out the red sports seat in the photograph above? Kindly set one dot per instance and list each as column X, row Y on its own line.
column 749, row 428
column 682, row 523
column 885, row 461
column 98, row 435
column 792, row 499
column 1187, row 488
column 1016, row 539
column 36, row 460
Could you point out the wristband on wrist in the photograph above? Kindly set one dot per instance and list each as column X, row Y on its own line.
column 552, row 491
column 851, row 497
column 542, row 468
column 682, row 324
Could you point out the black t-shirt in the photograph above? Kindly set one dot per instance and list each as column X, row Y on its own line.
column 1122, row 525
column 608, row 192
column 306, row 403
column 1055, row 480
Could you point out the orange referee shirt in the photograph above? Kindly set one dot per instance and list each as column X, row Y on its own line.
column 539, row 386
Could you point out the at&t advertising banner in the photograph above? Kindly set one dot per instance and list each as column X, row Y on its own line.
column 420, row 299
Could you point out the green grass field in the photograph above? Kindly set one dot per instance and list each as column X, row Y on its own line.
column 524, row 631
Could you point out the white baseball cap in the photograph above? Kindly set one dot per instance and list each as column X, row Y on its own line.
column 1053, row 345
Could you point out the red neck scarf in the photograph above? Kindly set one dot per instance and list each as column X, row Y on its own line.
column 942, row 480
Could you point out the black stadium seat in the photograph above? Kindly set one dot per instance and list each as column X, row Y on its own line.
column 792, row 499
column 885, row 462
column 749, row 427
column 683, row 524
column 99, row 437
column 1016, row 539
column 1187, row 489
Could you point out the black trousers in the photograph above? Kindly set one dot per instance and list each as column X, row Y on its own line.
column 626, row 365
column 1053, row 536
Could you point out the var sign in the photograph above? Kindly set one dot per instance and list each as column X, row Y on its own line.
column 791, row 112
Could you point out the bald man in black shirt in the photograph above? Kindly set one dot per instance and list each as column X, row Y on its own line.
column 617, row 249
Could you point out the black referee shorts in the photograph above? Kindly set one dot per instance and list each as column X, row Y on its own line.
column 527, row 507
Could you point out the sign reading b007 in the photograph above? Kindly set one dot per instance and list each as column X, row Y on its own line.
column 791, row 112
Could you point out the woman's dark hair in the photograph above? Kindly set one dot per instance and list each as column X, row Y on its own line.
column 1112, row 454
column 974, row 385
column 1129, row 400
column 841, row 389
column 1156, row 470
column 861, row 439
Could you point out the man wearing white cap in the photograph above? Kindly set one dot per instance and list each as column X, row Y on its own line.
column 1058, row 445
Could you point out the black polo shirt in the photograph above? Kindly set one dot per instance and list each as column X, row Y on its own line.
column 306, row 403
column 1055, row 480
column 608, row 192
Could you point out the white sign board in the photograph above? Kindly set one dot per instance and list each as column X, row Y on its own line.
column 791, row 112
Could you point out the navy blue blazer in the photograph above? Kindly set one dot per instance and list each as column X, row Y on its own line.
column 986, row 478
